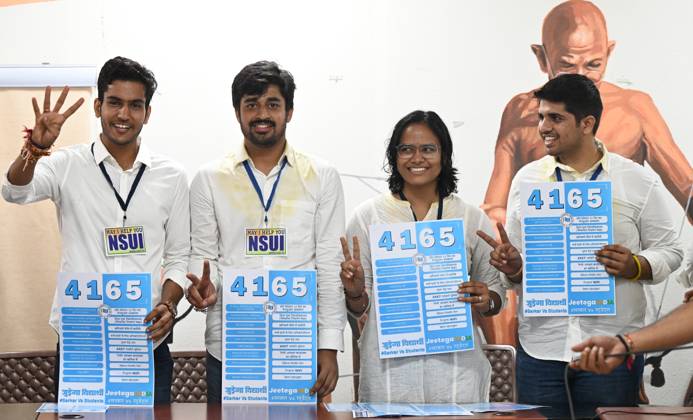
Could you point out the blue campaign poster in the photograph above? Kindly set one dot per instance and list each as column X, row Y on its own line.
column 417, row 268
column 130, row 373
column 270, row 336
column 563, row 225
column 106, row 358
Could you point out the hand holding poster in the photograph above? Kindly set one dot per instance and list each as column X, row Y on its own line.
column 563, row 225
column 417, row 268
column 270, row 336
column 105, row 356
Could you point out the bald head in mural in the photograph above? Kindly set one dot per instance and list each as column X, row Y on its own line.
column 575, row 40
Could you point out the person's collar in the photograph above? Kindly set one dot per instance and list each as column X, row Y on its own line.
column 604, row 161
column 144, row 156
column 241, row 155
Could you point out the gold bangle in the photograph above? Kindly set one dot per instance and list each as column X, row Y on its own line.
column 639, row 273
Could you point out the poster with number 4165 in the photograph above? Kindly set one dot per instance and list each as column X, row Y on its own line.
column 417, row 269
column 563, row 225
column 270, row 336
column 105, row 356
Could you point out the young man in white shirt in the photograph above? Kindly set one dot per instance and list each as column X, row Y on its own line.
column 645, row 249
column 266, row 183
column 112, row 182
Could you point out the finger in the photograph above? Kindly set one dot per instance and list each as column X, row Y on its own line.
column 71, row 110
column 474, row 300
column 153, row 314
column 591, row 358
column 489, row 240
column 616, row 248
column 194, row 296
column 161, row 328
column 328, row 386
column 345, row 248
column 616, row 256
column 687, row 297
column 497, row 264
column 61, row 99
column 612, row 271
column 357, row 248
column 318, row 383
column 205, row 270
column 359, row 271
column 210, row 299
column 606, row 262
column 194, row 279
column 47, row 99
column 472, row 290
column 601, row 361
column 157, row 316
column 37, row 110
column 503, row 235
column 584, row 359
column 581, row 346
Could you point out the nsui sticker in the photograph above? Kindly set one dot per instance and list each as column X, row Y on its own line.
column 265, row 241
column 127, row 240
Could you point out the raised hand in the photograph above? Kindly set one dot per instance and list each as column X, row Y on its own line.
column 48, row 123
column 618, row 261
column 201, row 293
column 505, row 257
column 352, row 276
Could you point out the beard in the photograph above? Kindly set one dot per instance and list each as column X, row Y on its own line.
column 264, row 141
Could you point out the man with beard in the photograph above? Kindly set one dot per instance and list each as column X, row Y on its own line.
column 266, row 183
column 645, row 250
column 111, row 183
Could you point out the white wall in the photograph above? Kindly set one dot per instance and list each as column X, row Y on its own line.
column 464, row 59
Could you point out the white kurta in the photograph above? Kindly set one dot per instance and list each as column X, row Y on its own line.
column 450, row 377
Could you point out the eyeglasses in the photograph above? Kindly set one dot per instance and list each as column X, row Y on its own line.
column 406, row 151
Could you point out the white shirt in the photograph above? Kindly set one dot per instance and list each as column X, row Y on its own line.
column 309, row 203
column 641, row 223
column 460, row 377
column 86, row 205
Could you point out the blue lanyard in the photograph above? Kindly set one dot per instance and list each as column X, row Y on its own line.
column 123, row 204
column 594, row 176
column 266, row 206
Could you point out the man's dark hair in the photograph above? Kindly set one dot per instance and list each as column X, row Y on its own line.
column 255, row 78
column 121, row 68
column 447, row 180
column 579, row 95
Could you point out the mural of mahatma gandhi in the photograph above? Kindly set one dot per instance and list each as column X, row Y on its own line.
column 575, row 40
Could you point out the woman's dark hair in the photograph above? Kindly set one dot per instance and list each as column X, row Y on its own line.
column 447, row 180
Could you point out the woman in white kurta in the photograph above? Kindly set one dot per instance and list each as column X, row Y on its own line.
column 421, row 172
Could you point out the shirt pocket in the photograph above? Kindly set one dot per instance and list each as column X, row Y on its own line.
column 298, row 217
